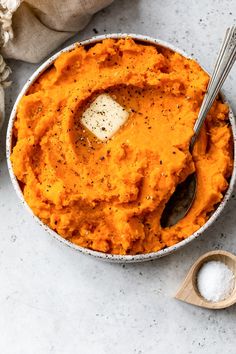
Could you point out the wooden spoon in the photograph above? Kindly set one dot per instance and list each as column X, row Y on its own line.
column 189, row 292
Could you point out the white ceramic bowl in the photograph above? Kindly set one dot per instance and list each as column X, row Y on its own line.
column 104, row 256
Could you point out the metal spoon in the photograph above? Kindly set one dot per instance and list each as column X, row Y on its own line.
column 182, row 199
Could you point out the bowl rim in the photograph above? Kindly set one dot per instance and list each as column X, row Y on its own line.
column 107, row 256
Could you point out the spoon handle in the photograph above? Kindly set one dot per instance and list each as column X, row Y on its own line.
column 224, row 63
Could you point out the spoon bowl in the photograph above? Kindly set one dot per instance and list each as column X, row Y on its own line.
column 189, row 290
column 180, row 202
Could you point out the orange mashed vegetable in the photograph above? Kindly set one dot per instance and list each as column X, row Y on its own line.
column 109, row 196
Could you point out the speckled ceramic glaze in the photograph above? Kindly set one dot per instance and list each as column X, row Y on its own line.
column 104, row 256
column 2, row 106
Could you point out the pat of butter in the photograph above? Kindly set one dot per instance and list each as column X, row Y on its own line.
column 104, row 117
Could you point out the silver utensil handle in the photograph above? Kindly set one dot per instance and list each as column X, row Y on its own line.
column 224, row 63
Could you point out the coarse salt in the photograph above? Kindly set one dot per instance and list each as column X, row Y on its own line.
column 215, row 281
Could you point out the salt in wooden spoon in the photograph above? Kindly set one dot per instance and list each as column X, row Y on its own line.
column 189, row 292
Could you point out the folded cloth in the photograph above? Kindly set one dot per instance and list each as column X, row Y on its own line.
column 31, row 29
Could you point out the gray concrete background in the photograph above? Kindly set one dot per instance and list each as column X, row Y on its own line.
column 54, row 300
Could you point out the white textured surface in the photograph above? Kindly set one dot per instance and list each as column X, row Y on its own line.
column 215, row 281
column 54, row 300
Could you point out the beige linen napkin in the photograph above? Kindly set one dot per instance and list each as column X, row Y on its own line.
column 31, row 29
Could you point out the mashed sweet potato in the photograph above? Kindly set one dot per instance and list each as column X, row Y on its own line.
column 109, row 196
